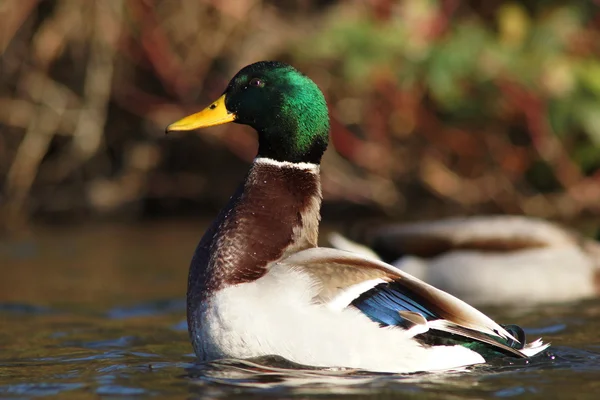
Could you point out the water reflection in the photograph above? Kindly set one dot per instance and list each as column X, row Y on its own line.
column 106, row 318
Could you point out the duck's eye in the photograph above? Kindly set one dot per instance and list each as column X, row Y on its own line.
column 256, row 82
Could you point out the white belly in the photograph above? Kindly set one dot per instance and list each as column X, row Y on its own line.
column 276, row 315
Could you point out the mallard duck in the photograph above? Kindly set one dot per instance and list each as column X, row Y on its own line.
column 490, row 260
column 259, row 285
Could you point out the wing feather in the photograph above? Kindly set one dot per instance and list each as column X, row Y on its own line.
column 334, row 271
column 392, row 297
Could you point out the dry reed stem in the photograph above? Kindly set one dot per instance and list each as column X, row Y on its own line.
column 89, row 130
column 12, row 14
column 42, row 126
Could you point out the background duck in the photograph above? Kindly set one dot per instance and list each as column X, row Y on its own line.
column 259, row 285
column 490, row 259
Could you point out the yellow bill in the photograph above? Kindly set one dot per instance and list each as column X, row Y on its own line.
column 215, row 114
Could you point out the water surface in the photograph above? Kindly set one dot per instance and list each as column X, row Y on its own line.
column 99, row 311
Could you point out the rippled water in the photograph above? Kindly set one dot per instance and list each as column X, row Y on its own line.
column 89, row 311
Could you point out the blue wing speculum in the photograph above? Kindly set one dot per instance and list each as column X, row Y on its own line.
column 385, row 302
column 393, row 304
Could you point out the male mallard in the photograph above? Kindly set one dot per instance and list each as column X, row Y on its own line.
column 259, row 285
column 490, row 259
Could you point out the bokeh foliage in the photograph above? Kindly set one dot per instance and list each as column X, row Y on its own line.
column 438, row 107
column 505, row 90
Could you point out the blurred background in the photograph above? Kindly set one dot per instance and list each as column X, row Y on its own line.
column 439, row 107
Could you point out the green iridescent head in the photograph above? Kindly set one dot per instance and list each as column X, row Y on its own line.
column 286, row 108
